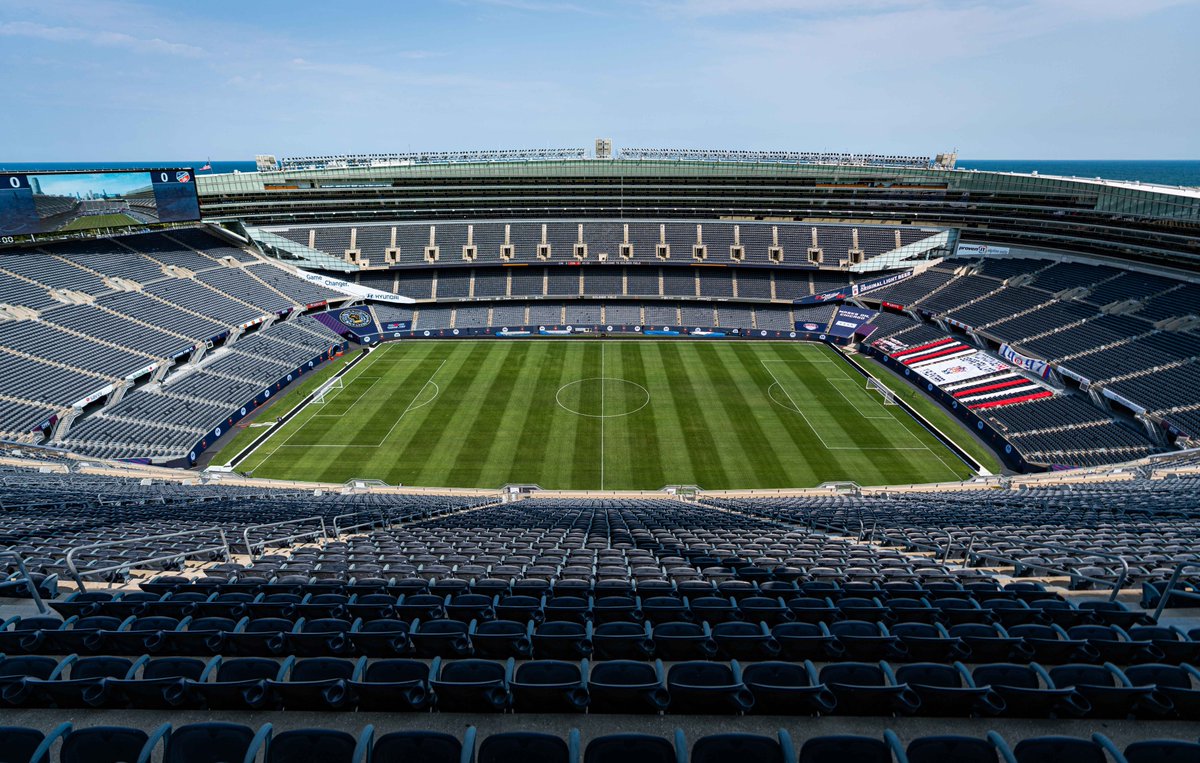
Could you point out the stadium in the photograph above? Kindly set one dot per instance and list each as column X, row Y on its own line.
column 579, row 454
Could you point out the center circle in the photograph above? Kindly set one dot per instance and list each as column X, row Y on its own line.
column 602, row 397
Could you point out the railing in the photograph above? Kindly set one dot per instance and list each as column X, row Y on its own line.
column 1166, row 594
column 377, row 519
column 1035, row 545
column 33, row 589
column 78, row 575
column 322, row 533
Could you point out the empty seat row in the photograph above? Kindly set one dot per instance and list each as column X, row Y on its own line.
column 619, row 686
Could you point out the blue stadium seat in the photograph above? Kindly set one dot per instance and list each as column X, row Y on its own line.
column 860, row 749
column 864, row 688
column 529, row 747
column 787, row 688
column 501, row 639
column 394, row 685
column 24, row 635
column 83, row 687
column 199, row 635
column 258, row 637
column 708, row 687
column 807, row 641
column 1058, row 749
column 1179, row 683
column 473, row 686
column 550, row 686
column 1029, row 692
column 1162, row 751
column 626, row 686
column 325, row 745
column 562, row 639
column 383, row 637
column 155, row 683
column 929, row 641
column 1111, row 693
column 682, row 640
column 236, row 684
column 314, row 683
column 103, row 744
column 423, row 746
column 866, row 640
column 214, row 743
column 718, row 748
column 960, row 749
column 623, row 641
column 636, row 748
column 745, row 640
column 949, row 690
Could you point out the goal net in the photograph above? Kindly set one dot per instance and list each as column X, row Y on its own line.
column 328, row 389
column 889, row 397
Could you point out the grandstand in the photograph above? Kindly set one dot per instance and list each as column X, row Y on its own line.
column 438, row 455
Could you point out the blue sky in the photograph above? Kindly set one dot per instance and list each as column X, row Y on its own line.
column 123, row 80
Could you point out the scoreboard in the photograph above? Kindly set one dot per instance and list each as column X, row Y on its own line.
column 51, row 202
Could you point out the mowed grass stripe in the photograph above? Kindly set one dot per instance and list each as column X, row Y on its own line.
column 479, row 426
column 743, row 413
column 532, row 446
column 707, row 464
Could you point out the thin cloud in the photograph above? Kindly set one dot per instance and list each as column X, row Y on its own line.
column 99, row 37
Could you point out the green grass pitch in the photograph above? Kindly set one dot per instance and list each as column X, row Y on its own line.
column 116, row 220
column 604, row 415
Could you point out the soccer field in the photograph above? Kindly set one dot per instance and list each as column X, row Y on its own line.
column 115, row 220
column 604, row 415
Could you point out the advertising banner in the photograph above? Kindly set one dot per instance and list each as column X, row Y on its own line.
column 962, row 368
column 854, row 290
column 1032, row 365
column 848, row 320
column 980, row 250
column 353, row 289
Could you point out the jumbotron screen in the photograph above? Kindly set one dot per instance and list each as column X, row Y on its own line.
column 59, row 202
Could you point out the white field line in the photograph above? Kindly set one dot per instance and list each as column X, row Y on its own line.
column 601, row 415
column 366, row 364
column 796, row 407
column 399, row 418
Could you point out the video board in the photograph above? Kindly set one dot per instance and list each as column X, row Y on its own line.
column 60, row 202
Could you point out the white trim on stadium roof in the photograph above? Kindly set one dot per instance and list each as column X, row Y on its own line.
column 626, row 154
column 1132, row 185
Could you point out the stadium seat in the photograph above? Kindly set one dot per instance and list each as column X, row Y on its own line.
column 636, row 748
column 960, row 749
column 562, row 640
column 864, row 688
column 473, row 686
column 1059, row 749
column 842, row 748
column 314, row 683
column 680, row 640
column 1179, row 683
column 214, row 743
column 425, row 746
column 1110, row 692
column 393, row 685
column 949, row 690
column 623, row 641
column 1029, row 692
column 529, row 747
column 625, row 686
column 103, row 744
column 787, row 688
column 717, row 748
column 550, row 686
column 1162, row 751
column 708, row 687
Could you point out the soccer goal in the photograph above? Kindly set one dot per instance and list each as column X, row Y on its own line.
column 328, row 389
column 889, row 397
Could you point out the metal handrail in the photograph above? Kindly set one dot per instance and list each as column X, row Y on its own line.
column 1166, row 594
column 77, row 576
column 33, row 589
column 1120, row 582
column 323, row 533
column 378, row 518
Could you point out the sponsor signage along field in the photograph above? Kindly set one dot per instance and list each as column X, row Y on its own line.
column 962, row 368
column 1032, row 365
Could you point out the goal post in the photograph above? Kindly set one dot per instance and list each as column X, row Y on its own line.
column 328, row 389
column 874, row 385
